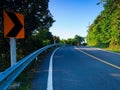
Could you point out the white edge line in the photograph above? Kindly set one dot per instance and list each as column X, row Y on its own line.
column 50, row 80
column 105, row 50
column 110, row 64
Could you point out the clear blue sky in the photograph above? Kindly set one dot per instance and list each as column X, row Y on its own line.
column 73, row 16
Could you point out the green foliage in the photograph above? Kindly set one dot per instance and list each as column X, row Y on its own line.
column 38, row 20
column 105, row 30
column 36, row 13
column 77, row 40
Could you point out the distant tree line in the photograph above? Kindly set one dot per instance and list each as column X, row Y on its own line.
column 77, row 40
column 105, row 30
column 38, row 20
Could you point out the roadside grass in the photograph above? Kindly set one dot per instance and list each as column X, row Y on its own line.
column 112, row 49
column 25, row 78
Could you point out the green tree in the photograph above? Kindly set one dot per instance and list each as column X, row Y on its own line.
column 37, row 18
column 105, row 30
column 77, row 40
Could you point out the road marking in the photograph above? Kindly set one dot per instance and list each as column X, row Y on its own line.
column 110, row 64
column 104, row 50
column 50, row 80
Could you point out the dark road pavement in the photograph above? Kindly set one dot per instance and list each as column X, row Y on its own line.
column 74, row 70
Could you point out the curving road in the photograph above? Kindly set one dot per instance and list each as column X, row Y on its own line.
column 78, row 68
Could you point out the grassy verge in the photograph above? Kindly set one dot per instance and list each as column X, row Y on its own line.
column 112, row 50
column 117, row 49
column 26, row 76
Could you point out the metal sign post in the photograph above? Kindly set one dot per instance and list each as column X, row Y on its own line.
column 54, row 38
column 13, row 50
column 54, row 41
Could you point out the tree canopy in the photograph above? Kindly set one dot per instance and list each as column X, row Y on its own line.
column 105, row 30
column 77, row 40
column 38, row 20
column 36, row 13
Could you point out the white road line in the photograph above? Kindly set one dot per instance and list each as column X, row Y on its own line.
column 110, row 64
column 106, row 51
column 50, row 80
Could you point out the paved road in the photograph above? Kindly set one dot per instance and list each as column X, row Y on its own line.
column 79, row 68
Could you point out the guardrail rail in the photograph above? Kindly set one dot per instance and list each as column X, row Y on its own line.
column 10, row 74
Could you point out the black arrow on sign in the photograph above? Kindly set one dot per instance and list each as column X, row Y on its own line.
column 17, row 25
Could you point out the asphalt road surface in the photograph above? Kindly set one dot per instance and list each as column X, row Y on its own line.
column 78, row 68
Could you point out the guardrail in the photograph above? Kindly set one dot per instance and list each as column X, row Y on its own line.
column 9, row 75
